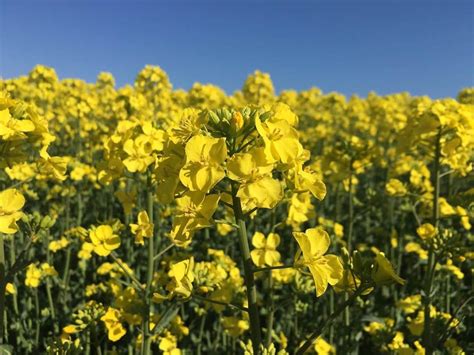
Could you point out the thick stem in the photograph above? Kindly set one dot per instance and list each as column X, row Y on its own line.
column 37, row 318
column 347, row 319
column 270, row 309
column 67, row 264
column 331, row 310
column 427, row 341
column 255, row 330
column 146, row 349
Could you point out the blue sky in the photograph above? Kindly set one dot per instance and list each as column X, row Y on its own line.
column 424, row 47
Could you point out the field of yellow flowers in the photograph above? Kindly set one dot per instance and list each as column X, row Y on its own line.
column 147, row 220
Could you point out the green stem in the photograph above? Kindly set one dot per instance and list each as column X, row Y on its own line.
column 150, row 272
column 320, row 329
column 427, row 341
column 448, row 294
column 37, row 314
column 127, row 273
column 331, row 310
column 232, row 305
column 270, row 310
column 48, row 284
column 255, row 330
column 161, row 253
column 347, row 319
column 69, row 251
column 51, row 305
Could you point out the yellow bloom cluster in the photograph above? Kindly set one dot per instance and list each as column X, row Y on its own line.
column 146, row 219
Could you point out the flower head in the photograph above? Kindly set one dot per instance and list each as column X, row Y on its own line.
column 194, row 211
column 265, row 252
column 383, row 272
column 203, row 168
column 104, row 240
column 143, row 228
column 325, row 269
column 11, row 203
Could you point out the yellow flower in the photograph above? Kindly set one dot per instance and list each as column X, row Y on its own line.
column 203, row 168
column 445, row 208
column 33, row 276
column 12, row 128
column 383, row 272
column 281, row 140
column 426, row 231
column 412, row 247
column 451, row 268
column 265, row 252
column 115, row 329
column 338, row 230
column 139, row 154
column 322, row 347
column 10, row 289
column 104, row 240
column 300, row 209
column 374, row 327
column 54, row 167
column 11, row 202
column 166, row 174
column 48, row 270
column 282, row 112
column 182, row 278
column 307, row 180
column 257, row 187
column 57, row 245
column 189, row 125
column 410, row 304
column 325, row 269
column 234, row 326
column 417, row 324
column 86, row 251
column 143, row 229
column 194, row 211
column 169, row 345
column 395, row 187
column 224, row 229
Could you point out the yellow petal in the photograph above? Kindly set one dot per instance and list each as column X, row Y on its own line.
column 11, row 200
column 320, row 279
column 258, row 240
column 319, row 241
column 273, row 241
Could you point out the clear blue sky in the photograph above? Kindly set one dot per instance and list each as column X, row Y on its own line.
column 424, row 47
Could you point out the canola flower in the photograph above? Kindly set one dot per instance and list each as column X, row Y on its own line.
column 11, row 203
column 143, row 228
column 265, row 252
column 148, row 219
column 325, row 269
column 104, row 240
